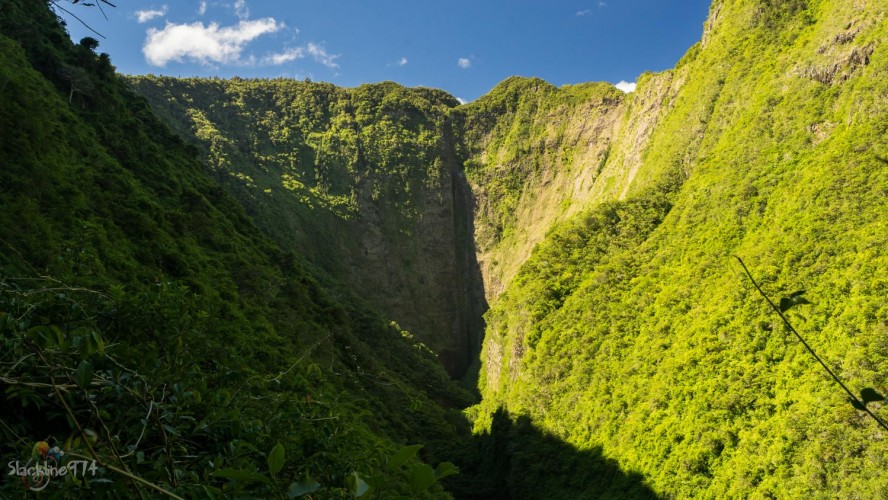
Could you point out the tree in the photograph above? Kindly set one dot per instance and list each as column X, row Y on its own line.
column 78, row 79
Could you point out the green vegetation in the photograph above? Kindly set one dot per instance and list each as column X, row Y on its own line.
column 149, row 325
column 359, row 181
column 532, row 158
column 205, row 305
column 632, row 328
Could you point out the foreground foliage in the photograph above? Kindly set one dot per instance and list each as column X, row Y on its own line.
column 148, row 325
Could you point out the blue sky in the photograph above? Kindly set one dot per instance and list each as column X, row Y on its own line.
column 463, row 46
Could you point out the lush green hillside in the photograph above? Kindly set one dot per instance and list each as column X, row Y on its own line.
column 534, row 155
column 632, row 327
column 364, row 182
column 145, row 320
column 198, row 293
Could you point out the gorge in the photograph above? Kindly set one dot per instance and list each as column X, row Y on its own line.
column 544, row 272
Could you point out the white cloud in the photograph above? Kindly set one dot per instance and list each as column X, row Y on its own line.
column 285, row 56
column 602, row 4
column 143, row 16
column 320, row 55
column 625, row 86
column 202, row 8
column 584, row 12
column 402, row 62
column 464, row 63
column 461, row 100
column 240, row 9
column 204, row 44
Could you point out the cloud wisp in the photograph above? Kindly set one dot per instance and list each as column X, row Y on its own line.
column 288, row 55
column 204, row 44
column 584, row 12
column 625, row 86
column 316, row 51
column 143, row 16
column 320, row 55
column 241, row 10
column 464, row 62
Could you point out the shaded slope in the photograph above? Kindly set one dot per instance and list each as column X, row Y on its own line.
column 365, row 182
column 181, row 338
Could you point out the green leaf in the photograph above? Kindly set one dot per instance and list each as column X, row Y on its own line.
column 242, row 475
column 403, row 455
column 421, row 477
column 308, row 485
column 83, row 374
column 445, row 469
column 357, row 485
column 211, row 491
column 276, row 459
column 377, row 482
column 869, row 395
column 100, row 344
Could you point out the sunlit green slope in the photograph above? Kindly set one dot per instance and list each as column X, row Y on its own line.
column 632, row 327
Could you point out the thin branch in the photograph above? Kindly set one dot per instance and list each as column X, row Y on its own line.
column 857, row 402
column 101, row 420
column 129, row 475
column 142, row 434
column 70, row 412
column 306, row 353
column 99, row 5
column 18, row 438
column 56, row 4
column 14, row 249
column 37, row 385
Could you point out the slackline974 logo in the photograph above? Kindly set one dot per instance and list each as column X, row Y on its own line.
column 45, row 464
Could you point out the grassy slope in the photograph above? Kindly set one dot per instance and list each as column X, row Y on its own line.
column 120, row 251
column 632, row 328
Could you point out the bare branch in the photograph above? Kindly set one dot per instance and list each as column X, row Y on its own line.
column 55, row 3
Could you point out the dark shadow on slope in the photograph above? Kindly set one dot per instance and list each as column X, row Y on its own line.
column 465, row 362
column 517, row 460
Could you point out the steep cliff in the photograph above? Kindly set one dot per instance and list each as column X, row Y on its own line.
column 366, row 183
column 538, row 155
column 601, row 229
column 632, row 327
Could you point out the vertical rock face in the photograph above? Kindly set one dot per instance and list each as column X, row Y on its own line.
column 631, row 326
column 538, row 155
column 366, row 183
column 426, row 209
